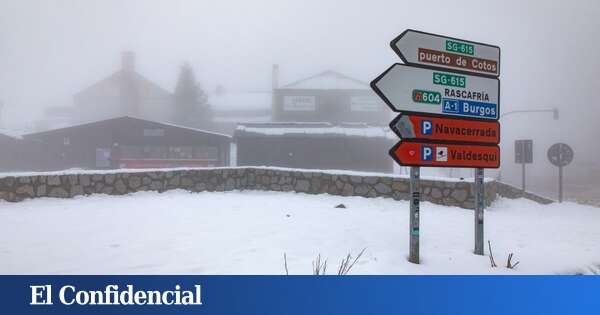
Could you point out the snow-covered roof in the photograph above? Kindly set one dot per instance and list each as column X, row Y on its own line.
column 147, row 86
column 328, row 80
column 15, row 134
column 287, row 128
column 130, row 118
column 240, row 101
column 242, row 119
column 184, row 127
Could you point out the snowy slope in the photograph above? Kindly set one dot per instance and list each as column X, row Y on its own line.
column 247, row 232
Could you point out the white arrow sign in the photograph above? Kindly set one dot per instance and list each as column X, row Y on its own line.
column 419, row 48
column 418, row 90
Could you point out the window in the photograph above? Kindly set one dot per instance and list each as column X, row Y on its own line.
column 364, row 104
column 131, row 152
column 102, row 157
column 155, row 152
column 145, row 152
column 299, row 103
column 181, row 152
column 164, row 152
column 206, row 153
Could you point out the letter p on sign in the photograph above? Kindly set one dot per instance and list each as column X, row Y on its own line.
column 426, row 127
column 426, row 153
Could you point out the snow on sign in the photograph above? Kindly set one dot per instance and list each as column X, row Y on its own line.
column 425, row 49
column 422, row 153
column 418, row 90
column 446, row 129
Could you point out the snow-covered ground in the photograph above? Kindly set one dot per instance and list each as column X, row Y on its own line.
column 248, row 232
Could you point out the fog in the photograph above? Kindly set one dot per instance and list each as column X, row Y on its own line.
column 50, row 50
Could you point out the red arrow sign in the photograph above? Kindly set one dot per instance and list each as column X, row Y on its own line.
column 420, row 153
column 446, row 129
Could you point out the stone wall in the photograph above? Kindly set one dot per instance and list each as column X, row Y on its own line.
column 457, row 193
column 512, row 192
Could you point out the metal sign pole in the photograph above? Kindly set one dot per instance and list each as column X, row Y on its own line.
column 479, row 205
column 560, row 155
column 415, row 197
column 523, row 176
column 560, row 184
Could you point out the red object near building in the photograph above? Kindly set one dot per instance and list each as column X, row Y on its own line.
column 423, row 153
column 446, row 129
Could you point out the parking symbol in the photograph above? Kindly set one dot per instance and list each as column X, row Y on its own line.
column 426, row 127
column 441, row 154
column 426, row 153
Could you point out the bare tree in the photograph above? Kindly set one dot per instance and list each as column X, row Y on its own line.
column 345, row 265
column 509, row 263
column 491, row 255
column 319, row 268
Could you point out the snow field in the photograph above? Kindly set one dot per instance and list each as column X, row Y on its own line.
column 179, row 232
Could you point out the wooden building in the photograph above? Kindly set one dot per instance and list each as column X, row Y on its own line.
column 315, row 146
column 18, row 154
column 128, row 142
column 328, row 97
column 125, row 92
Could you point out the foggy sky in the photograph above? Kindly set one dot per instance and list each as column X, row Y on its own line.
column 49, row 50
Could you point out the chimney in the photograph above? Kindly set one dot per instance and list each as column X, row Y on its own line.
column 129, row 93
column 128, row 62
column 275, row 76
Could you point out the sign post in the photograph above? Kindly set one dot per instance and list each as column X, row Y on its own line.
column 441, row 154
column 430, row 127
column 560, row 184
column 560, row 155
column 448, row 96
column 523, row 155
column 415, row 199
column 410, row 89
column 431, row 50
column 479, row 206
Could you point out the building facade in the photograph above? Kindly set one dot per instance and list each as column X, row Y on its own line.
column 128, row 142
column 18, row 154
column 356, row 147
column 327, row 121
column 124, row 93
column 328, row 97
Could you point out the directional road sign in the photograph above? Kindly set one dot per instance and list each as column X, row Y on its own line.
column 446, row 129
column 417, row 90
column 448, row 95
column 425, row 153
column 425, row 49
column 524, row 151
column 560, row 154
column 523, row 155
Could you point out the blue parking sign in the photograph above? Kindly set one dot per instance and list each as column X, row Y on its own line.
column 426, row 127
column 426, row 153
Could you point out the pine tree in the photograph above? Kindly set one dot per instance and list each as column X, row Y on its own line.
column 191, row 103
